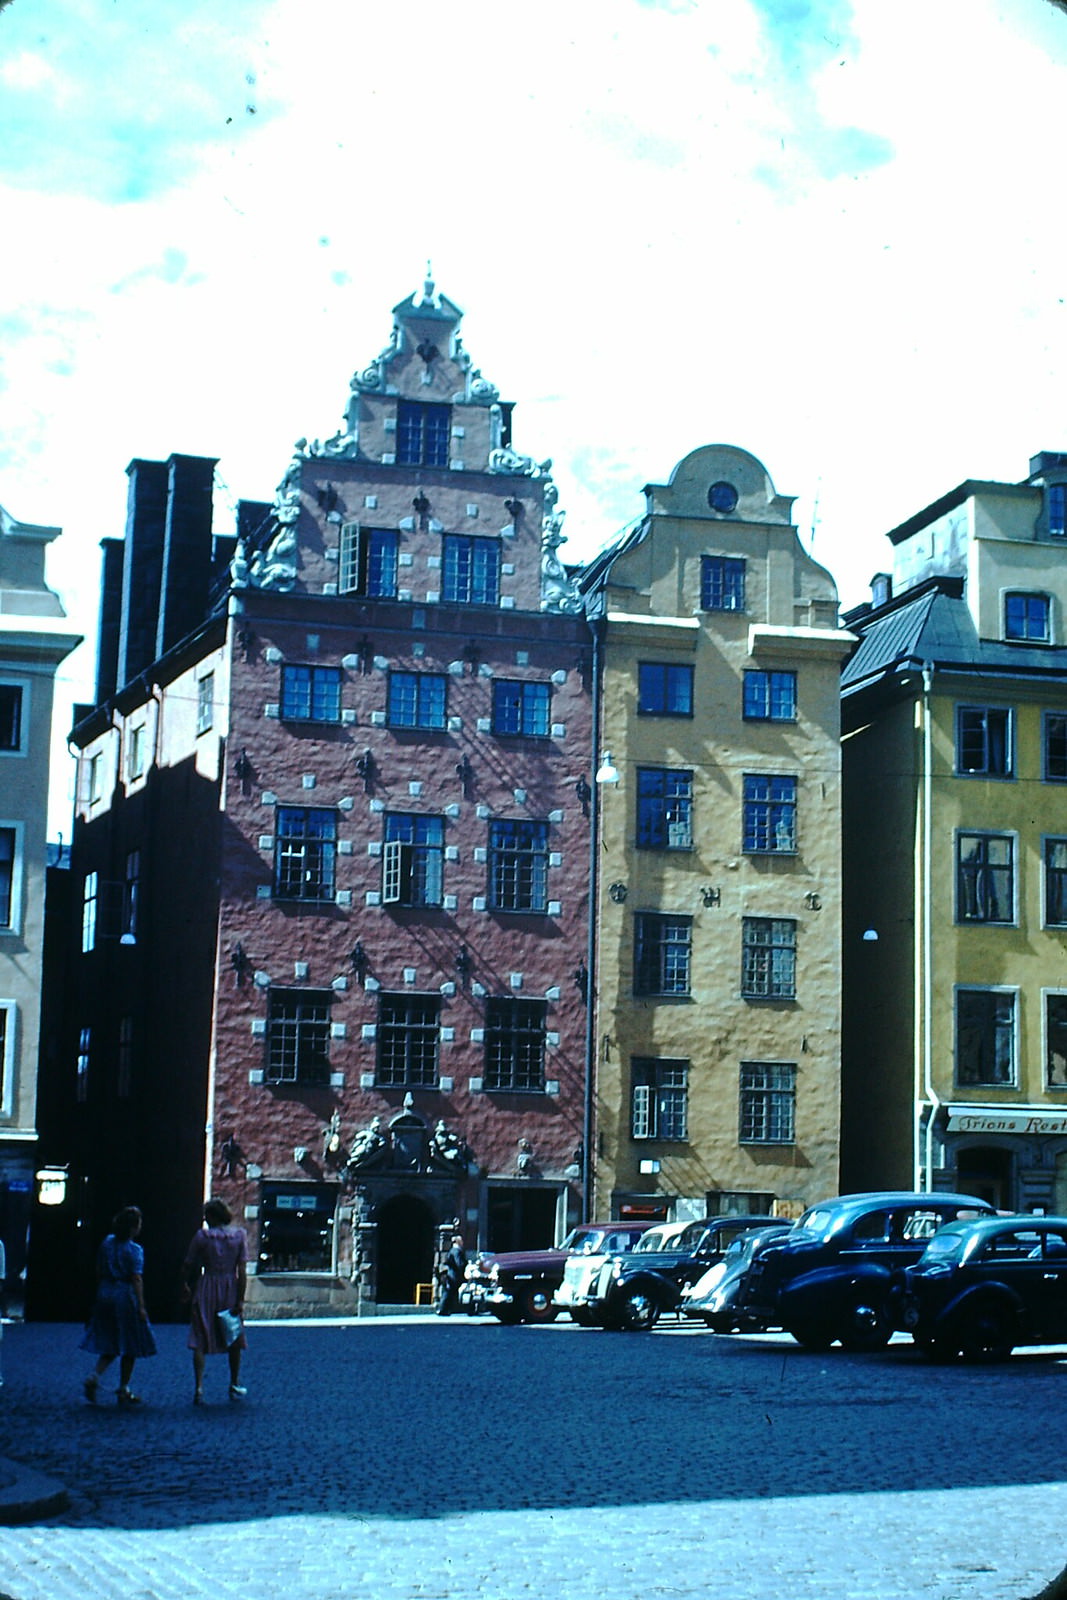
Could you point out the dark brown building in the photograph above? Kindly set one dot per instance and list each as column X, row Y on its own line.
column 331, row 853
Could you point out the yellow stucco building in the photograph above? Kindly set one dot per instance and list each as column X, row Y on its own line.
column 955, row 852
column 715, row 1033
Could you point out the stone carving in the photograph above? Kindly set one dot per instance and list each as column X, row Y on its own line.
column 372, row 378
column 331, row 1138
column 368, row 1147
column 481, row 390
column 558, row 589
column 449, row 1149
column 507, row 460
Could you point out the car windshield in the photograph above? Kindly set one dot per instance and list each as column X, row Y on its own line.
column 590, row 1244
column 816, row 1221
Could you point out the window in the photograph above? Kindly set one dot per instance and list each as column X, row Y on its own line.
column 131, row 894
column 408, row 1030
column 664, row 809
column 298, row 1036
column 1056, row 1041
column 304, row 849
column 515, row 1044
column 1056, row 882
column 983, row 741
column 7, row 877
column 768, row 958
column 417, row 699
column 422, row 434
column 1028, row 617
column 661, row 953
column 1054, row 728
column 769, row 813
column 722, row 583
column 297, row 1229
column 205, row 702
column 770, row 697
column 985, row 877
column 521, row 708
column 663, row 690
column 985, row 1036
column 412, row 860
column 1057, row 510
column 311, row 694
column 10, row 716
column 471, row 571
column 659, row 1099
column 135, row 752
column 8, row 1021
column 768, row 1103
column 369, row 558
column 125, row 1057
column 95, row 778
column 518, row 865
column 81, row 1083
column 90, row 891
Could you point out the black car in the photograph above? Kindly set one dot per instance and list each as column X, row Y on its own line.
column 713, row 1298
column 634, row 1290
column 981, row 1288
column 828, row 1279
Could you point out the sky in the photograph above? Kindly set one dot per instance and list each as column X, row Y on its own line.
column 828, row 231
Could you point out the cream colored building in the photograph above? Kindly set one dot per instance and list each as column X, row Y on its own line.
column 955, row 716
column 33, row 642
column 716, row 1033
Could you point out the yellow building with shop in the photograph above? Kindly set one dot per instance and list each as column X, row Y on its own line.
column 715, row 1034
column 955, row 849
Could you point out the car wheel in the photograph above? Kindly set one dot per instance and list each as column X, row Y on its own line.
column 983, row 1334
column 635, row 1312
column 865, row 1326
column 537, row 1306
column 811, row 1337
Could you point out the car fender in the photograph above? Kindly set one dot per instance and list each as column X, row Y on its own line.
column 824, row 1289
column 1002, row 1294
column 663, row 1291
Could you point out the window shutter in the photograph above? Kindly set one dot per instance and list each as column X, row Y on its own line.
column 352, row 560
column 396, row 872
column 642, row 1111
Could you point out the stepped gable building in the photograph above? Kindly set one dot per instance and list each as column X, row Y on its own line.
column 955, row 840
column 333, row 852
column 718, row 874
column 34, row 641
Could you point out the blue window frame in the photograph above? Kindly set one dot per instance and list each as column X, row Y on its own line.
column 664, row 809
column 518, row 865
column 1028, row 617
column 422, row 434
column 311, row 694
column 521, row 707
column 722, row 583
column 768, row 958
column 769, row 813
column 664, row 690
column 661, row 954
column 304, row 849
column 985, row 877
column 369, row 558
column 770, row 696
column 417, row 699
column 413, row 859
column 470, row 570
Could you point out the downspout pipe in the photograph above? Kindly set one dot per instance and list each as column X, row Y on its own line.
column 927, row 922
column 597, row 626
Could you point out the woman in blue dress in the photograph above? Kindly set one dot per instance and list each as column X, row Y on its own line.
column 119, row 1325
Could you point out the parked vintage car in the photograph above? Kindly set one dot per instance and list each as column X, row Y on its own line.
column 581, row 1272
column 634, row 1290
column 828, row 1279
column 981, row 1288
column 519, row 1285
column 713, row 1298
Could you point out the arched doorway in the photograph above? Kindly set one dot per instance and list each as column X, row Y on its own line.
column 986, row 1172
column 405, row 1249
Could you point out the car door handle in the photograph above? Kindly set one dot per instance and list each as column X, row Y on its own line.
column 1051, row 1277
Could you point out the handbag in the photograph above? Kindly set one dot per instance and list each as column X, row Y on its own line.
column 228, row 1324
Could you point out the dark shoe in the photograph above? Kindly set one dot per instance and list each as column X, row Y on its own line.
column 198, row 1397
column 126, row 1397
column 89, row 1388
column 237, row 1392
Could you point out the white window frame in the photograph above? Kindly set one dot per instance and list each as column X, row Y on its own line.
column 205, row 703
column 15, row 925
column 136, row 751
column 985, row 988
column 8, row 1055
column 1049, row 1088
column 11, row 680
column 986, row 922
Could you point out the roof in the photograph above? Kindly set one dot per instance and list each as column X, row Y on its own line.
column 932, row 625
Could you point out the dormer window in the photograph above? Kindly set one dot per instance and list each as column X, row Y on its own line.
column 1027, row 618
column 1057, row 510
column 422, row 434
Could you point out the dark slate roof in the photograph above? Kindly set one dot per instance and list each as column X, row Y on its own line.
column 931, row 624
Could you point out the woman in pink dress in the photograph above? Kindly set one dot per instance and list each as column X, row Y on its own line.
column 215, row 1277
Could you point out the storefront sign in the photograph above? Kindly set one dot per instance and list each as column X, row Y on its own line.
column 990, row 1119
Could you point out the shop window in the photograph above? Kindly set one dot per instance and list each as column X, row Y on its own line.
column 297, row 1229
